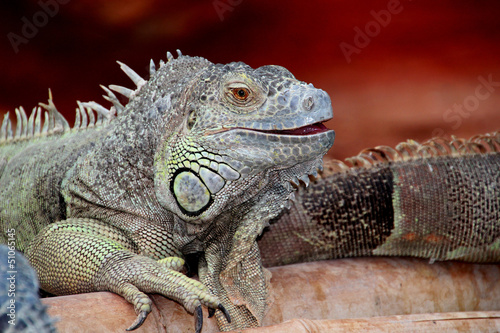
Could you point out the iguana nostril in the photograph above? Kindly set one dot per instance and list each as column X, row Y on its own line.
column 308, row 103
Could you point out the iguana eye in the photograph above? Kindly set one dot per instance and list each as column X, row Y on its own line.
column 240, row 93
column 242, row 97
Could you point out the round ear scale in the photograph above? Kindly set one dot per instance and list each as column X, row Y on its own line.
column 192, row 195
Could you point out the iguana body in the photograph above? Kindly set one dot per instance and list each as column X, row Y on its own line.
column 198, row 161
column 438, row 200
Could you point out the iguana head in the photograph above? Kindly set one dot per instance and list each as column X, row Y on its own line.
column 234, row 125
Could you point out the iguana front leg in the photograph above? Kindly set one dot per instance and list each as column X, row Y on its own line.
column 231, row 266
column 243, row 287
column 84, row 255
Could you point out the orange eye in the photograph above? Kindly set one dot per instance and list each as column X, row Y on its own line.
column 240, row 93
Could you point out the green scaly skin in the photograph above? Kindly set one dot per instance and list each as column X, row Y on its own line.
column 439, row 200
column 197, row 162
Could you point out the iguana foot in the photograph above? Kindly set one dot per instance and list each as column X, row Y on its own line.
column 132, row 276
column 84, row 255
column 198, row 319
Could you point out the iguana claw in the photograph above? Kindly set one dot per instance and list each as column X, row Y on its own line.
column 225, row 312
column 221, row 307
column 138, row 322
column 198, row 319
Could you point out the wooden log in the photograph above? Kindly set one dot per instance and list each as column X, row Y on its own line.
column 488, row 321
column 337, row 289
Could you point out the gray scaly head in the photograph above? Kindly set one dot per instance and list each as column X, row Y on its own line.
column 237, row 125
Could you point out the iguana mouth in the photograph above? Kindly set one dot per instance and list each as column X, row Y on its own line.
column 300, row 131
column 310, row 129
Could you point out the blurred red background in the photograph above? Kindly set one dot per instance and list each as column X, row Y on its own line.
column 408, row 77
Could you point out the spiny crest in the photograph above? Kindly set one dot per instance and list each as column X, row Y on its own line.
column 176, row 72
column 55, row 123
column 411, row 150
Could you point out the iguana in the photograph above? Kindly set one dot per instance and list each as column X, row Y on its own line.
column 439, row 200
column 197, row 162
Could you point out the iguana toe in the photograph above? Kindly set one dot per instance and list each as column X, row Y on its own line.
column 175, row 263
column 142, row 304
